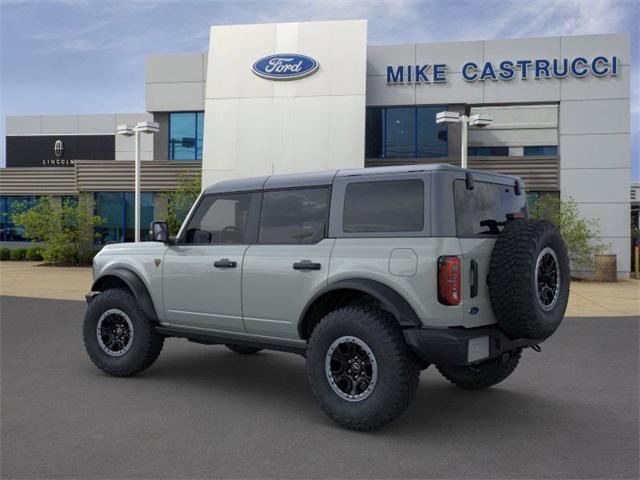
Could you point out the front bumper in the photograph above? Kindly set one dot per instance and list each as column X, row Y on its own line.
column 453, row 347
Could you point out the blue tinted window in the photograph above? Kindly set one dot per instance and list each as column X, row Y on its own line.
column 488, row 151
column 116, row 208
column 9, row 205
column 375, row 131
column 541, row 151
column 551, row 150
column 400, row 132
column 432, row 138
column 185, row 135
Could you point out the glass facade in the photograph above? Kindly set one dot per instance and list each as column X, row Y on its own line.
column 541, row 151
column 185, row 135
column 116, row 208
column 405, row 132
column 488, row 151
column 9, row 232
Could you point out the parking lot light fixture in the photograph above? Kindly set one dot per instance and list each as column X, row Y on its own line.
column 477, row 120
column 128, row 131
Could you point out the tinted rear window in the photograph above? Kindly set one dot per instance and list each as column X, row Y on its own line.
column 386, row 206
column 294, row 216
column 479, row 210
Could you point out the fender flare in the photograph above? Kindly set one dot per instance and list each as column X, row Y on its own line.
column 391, row 300
column 135, row 284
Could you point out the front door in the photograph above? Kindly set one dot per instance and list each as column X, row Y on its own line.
column 202, row 281
column 289, row 263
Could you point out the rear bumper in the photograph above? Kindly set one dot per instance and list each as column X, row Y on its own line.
column 461, row 346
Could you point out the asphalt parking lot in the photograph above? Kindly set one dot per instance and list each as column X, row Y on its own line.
column 568, row 412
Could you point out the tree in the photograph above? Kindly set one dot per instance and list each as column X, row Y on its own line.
column 582, row 236
column 179, row 202
column 63, row 227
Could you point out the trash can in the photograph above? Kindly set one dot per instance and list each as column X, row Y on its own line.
column 606, row 268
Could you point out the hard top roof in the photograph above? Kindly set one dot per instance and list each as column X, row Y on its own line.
column 326, row 177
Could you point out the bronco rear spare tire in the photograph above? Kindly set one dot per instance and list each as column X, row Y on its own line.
column 529, row 279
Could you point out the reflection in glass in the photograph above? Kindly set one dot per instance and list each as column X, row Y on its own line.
column 400, row 132
column 185, row 135
column 405, row 132
column 9, row 205
column 117, row 209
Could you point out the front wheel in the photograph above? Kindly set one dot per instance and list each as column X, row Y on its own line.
column 360, row 369
column 118, row 337
column 485, row 374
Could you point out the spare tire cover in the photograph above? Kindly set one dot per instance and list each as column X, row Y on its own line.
column 529, row 279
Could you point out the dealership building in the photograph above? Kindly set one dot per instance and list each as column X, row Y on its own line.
column 292, row 97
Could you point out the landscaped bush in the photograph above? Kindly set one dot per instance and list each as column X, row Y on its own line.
column 64, row 228
column 179, row 202
column 5, row 253
column 34, row 254
column 18, row 253
column 86, row 258
column 582, row 236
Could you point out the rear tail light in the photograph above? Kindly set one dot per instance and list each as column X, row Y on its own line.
column 449, row 280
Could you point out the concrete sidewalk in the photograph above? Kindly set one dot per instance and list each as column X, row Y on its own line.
column 34, row 280
column 31, row 279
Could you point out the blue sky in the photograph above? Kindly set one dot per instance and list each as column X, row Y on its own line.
column 87, row 56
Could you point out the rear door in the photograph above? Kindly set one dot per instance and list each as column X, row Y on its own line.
column 290, row 261
column 479, row 214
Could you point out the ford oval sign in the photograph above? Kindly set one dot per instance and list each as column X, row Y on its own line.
column 285, row 66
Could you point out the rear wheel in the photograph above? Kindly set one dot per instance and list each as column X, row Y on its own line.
column 242, row 349
column 483, row 375
column 361, row 371
column 118, row 337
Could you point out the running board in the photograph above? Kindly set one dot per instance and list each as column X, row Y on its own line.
column 216, row 338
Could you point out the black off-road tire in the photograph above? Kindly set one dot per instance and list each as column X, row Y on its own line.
column 483, row 375
column 145, row 345
column 512, row 283
column 242, row 349
column 398, row 373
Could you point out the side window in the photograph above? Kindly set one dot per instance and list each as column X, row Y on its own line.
column 294, row 216
column 222, row 219
column 384, row 206
column 482, row 211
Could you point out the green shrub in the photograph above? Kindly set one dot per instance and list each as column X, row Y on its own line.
column 5, row 253
column 582, row 236
column 86, row 258
column 34, row 254
column 63, row 227
column 18, row 253
column 179, row 202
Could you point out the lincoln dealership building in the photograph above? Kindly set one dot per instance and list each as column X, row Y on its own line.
column 292, row 97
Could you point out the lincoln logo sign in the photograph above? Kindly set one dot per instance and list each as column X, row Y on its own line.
column 505, row 70
column 58, row 148
column 285, row 66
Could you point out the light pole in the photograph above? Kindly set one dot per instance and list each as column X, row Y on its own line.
column 477, row 120
column 128, row 131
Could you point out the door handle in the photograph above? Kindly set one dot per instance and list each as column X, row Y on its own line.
column 306, row 265
column 225, row 263
column 474, row 279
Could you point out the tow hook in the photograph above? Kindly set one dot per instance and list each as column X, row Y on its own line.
column 536, row 348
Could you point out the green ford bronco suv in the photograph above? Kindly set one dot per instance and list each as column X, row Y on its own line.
column 371, row 274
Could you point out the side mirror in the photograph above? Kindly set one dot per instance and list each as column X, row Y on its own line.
column 159, row 232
